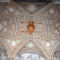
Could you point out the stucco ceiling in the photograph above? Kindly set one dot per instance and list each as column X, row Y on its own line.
column 54, row 1
column 14, row 34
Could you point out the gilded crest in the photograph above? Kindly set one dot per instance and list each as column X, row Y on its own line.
column 30, row 27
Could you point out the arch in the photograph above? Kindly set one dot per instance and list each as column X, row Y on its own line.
column 35, row 43
column 31, row 55
column 55, row 48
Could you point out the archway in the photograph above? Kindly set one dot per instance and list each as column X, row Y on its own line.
column 29, row 56
column 31, row 50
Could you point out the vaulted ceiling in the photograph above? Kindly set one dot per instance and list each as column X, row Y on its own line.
column 30, row 27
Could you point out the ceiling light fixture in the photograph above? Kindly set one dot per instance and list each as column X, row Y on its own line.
column 11, row 10
column 47, row 44
column 31, row 7
column 13, row 43
column 51, row 11
column 30, row 45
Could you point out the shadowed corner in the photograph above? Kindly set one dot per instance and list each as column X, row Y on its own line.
column 33, row 0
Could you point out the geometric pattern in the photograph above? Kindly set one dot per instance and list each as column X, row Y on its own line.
column 32, row 7
column 46, row 28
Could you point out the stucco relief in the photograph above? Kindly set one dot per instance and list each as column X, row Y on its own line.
column 16, row 22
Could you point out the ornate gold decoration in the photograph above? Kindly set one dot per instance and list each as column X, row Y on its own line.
column 30, row 27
